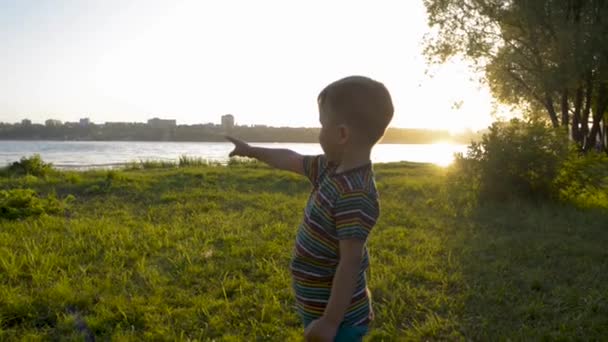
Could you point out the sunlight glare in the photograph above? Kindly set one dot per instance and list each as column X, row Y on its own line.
column 442, row 153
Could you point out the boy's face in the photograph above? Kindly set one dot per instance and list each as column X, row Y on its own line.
column 333, row 136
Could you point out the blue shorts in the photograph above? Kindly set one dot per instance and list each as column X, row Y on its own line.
column 348, row 333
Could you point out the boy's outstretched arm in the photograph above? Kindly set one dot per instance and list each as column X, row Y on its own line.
column 283, row 159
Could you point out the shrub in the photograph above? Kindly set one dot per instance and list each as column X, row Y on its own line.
column 73, row 177
column 114, row 176
column 514, row 159
column 33, row 165
column 21, row 203
column 583, row 180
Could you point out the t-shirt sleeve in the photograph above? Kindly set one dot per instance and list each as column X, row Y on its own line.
column 313, row 166
column 355, row 215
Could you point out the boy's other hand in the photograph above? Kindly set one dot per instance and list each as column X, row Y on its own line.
column 320, row 330
column 241, row 148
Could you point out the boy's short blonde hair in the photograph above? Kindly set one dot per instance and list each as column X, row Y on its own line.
column 359, row 102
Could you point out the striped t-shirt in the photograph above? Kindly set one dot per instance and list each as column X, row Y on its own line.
column 341, row 206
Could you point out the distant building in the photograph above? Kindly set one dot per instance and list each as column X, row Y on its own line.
column 52, row 122
column 26, row 122
column 227, row 121
column 161, row 123
column 85, row 122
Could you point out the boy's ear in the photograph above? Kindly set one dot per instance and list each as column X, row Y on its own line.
column 343, row 134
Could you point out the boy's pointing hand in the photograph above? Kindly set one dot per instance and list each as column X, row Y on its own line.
column 241, row 148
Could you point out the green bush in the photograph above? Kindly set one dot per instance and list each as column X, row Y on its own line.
column 114, row 176
column 514, row 159
column 72, row 177
column 21, row 203
column 583, row 180
column 33, row 165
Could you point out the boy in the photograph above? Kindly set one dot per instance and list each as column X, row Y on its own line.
column 330, row 255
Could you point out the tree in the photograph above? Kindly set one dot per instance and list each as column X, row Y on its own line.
column 547, row 56
column 52, row 123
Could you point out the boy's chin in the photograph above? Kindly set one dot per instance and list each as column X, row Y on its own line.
column 332, row 160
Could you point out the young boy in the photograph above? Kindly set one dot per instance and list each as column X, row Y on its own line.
column 330, row 255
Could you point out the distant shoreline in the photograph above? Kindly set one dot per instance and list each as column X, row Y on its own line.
column 209, row 133
column 443, row 141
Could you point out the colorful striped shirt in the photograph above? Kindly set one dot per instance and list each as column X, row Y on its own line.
column 340, row 206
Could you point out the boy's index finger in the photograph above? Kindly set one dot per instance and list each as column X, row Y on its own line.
column 231, row 139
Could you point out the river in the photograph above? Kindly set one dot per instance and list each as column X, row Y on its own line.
column 98, row 154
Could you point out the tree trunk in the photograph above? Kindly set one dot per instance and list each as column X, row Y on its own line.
column 602, row 133
column 606, row 133
column 551, row 110
column 592, row 138
column 576, row 117
column 587, row 110
column 598, row 115
column 603, row 95
column 565, row 116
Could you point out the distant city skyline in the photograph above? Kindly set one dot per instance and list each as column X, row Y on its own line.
column 158, row 129
column 193, row 61
column 160, row 121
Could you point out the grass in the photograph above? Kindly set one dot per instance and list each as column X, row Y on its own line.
column 201, row 253
column 183, row 161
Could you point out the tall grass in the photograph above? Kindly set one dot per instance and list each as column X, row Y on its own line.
column 185, row 161
column 182, row 161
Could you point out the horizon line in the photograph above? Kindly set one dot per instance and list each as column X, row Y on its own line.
column 60, row 122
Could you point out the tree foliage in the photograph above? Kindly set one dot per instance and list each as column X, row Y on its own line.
column 547, row 56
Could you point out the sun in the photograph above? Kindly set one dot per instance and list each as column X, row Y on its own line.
column 457, row 130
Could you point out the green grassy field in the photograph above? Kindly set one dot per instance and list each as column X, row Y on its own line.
column 202, row 253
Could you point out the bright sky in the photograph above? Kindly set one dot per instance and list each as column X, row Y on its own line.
column 263, row 61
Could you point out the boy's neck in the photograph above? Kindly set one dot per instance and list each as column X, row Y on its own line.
column 354, row 159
